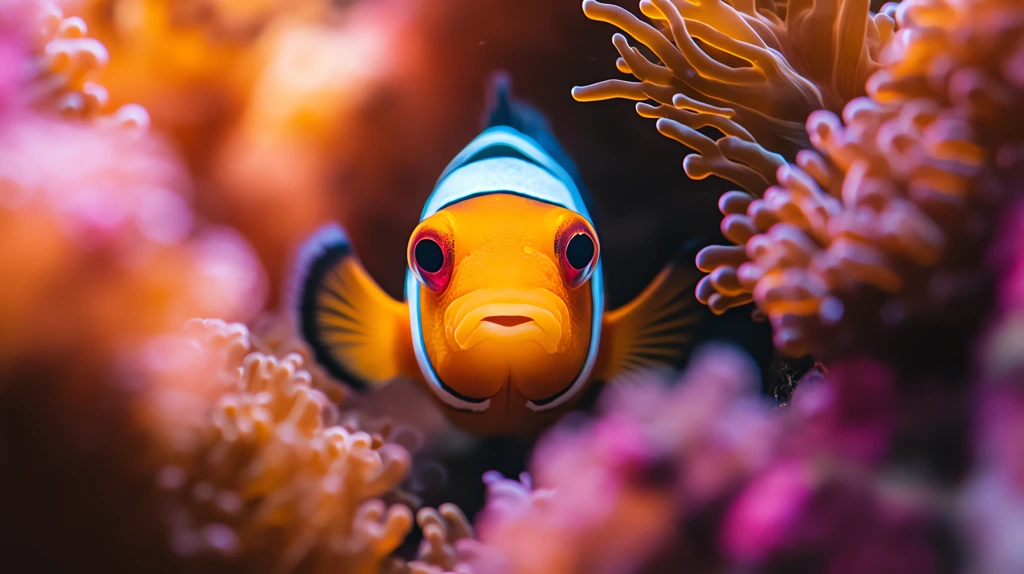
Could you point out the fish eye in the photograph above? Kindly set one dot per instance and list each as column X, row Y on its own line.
column 577, row 250
column 580, row 251
column 429, row 255
column 430, row 258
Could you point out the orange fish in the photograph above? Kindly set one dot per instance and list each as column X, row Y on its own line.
column 503, row 321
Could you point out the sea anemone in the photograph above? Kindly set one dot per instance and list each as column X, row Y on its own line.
column 750, row 71
column 448, row 541
column 256, row 475
column 885, row 222
column 884, row 219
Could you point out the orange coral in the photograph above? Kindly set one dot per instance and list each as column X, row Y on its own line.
column 750, row 71
column 255, row 476
column 443, row 530
column 67, row 59
column 276, row 334
column 886, row 219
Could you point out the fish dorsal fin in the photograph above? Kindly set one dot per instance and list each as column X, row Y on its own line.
column 356, row 330
column 655, row 330
column 504, row 110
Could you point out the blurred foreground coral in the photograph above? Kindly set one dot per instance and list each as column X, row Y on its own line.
column 99, row 231
column 705, row 475
column 255, row 474
column 128, row 444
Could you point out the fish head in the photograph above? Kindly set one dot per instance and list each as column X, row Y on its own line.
column 504, row 309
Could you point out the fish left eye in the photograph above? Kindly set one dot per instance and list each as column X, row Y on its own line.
column 580, row 251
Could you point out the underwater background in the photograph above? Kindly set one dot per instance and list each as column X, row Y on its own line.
column 854, row 403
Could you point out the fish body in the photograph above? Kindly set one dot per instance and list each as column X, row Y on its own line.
column 504, row 321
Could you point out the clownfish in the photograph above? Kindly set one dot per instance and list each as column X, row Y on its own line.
column 504, row 319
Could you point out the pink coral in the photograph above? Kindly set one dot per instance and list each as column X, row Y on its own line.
column 706, row 477
column 759, row 522
column 609, row 494
column 851, row 415
column 992, row 505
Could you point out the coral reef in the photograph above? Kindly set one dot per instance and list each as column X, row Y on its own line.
column 644, row 465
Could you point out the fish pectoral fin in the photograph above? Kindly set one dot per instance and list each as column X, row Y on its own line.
column 356, row 330
column 655, row 330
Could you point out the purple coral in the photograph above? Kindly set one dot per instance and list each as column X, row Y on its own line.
column 708, row 476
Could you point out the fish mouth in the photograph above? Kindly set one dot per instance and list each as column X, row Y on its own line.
column 508, row 315
column 508, row 320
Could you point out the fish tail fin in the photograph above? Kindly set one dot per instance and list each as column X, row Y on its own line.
column 355, row 329
column 505, row 110
column 656, row 330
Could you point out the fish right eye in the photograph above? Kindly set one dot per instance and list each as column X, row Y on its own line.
column 430, row 259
